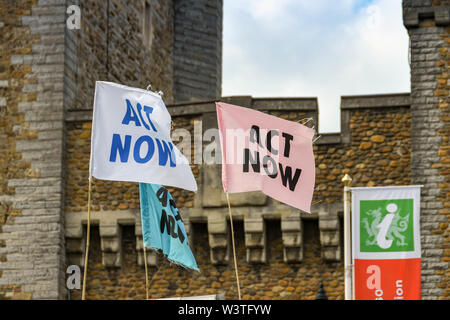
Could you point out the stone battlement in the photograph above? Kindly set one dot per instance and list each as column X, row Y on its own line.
column 256, row 209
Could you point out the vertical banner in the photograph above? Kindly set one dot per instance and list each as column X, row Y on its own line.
column 386, row 243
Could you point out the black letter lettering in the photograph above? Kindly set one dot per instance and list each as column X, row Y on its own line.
column 270, row 134
column 254, row 135
column 178, row 215
column 181, row 235
column 162, row 196
column 287, row 147
column 249, row 159
column 287, row 176
column 274, row 172
column 172, row 224
column 164, row 222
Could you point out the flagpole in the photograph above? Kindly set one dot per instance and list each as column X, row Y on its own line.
column 348, row 266
column 146, row 269
column 83, row 295
column 234, row 247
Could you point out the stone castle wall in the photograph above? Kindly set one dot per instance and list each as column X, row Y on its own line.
column 428, row 24
column 48, row 74
column 197, row 49
column 374, row 148
column 47, row 79
column 110, row 47
column 32, row 252
column 274, row 280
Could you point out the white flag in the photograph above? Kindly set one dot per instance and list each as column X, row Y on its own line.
column 131, row 139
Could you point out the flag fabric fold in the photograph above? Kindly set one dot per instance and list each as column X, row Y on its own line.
column 131, row 140
column 266, row 153
column 163, row 227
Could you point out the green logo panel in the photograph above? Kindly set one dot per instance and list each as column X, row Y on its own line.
column 386, row 225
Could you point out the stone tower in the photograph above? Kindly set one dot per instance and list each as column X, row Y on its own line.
column 428, row 25
column 197, row 53
column 47, row 79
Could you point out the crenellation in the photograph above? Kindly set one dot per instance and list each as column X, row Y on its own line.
column 255, row 240
column 111, row 244
column 218, row 235
column 292, row 235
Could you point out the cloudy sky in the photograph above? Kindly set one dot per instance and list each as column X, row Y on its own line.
column 314, row 48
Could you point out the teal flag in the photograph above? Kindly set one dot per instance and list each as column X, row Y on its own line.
column 162, row 226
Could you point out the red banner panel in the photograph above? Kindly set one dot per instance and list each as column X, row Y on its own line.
column 390, row 279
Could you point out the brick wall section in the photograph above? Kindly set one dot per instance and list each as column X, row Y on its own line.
column 374, row 148
column 33, row 234
column 109, row 195
column 274, row 280
column 444, row 166
column 444, row 169
column 378, row 153
column 428, row 26
column 12, row 80
column 197, row 49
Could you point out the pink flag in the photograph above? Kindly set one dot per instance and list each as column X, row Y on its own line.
column 263, row 152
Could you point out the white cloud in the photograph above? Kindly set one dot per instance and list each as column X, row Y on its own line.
column 315, row 48
column 267, row 10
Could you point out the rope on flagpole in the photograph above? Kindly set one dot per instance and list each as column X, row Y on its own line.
column 304, row 121
column 150, row 88
column 234, row 247
column 83, row 295
column 146, row 269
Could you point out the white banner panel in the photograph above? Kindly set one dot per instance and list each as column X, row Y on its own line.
column 386, row 222
column 386, row 243
column 131, row 139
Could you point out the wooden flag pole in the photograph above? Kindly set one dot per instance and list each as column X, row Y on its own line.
column 83, row 295
column 146, row 269
column 234, row 247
